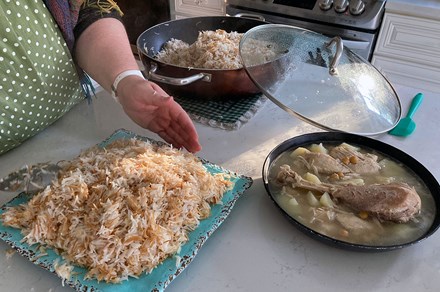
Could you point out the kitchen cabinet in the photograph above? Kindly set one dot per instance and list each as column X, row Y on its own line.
column 191, row 8
column 408, row 47
column 140, row 15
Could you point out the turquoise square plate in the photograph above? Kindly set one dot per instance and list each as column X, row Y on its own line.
column 163, row 274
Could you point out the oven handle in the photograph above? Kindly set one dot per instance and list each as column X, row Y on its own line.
column 251, row 16
column 356, row 45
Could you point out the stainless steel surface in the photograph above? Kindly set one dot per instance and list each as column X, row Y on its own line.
column 362, row 43
column 358, row 26
column 341, row 6
column 152, row 75
column 357, row 7
column 251, row 16
column 369, row 20
column 325, row 4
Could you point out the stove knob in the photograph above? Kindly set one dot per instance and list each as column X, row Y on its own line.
column 341, row 5
column 357, row 7
column 325, row 4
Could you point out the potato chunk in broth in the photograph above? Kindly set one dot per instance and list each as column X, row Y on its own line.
column 324, row 168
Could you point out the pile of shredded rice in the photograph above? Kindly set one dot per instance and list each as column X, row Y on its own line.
column 212, row 50
column 121, row 210
column 215, row 50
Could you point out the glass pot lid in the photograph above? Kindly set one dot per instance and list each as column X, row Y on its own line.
column 313, row 77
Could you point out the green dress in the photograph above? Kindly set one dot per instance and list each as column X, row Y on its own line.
column 38, row 79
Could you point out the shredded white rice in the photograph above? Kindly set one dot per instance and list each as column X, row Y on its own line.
column 9, row 253
column 64, row 271
column 119, row 211
column 212, row 50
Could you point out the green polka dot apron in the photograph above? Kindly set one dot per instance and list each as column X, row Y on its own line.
column 38, row 80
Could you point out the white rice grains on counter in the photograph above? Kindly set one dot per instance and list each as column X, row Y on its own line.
column 121, row 210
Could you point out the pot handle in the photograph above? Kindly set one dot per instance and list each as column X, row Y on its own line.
column 152, row 75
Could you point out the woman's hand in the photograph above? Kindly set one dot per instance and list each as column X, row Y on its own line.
column 152, row 108
column 103, row 51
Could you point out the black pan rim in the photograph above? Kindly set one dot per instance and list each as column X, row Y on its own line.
column 140, row 38
column 327, row 137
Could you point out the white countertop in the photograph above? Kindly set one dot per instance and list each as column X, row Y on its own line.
column 256, row 248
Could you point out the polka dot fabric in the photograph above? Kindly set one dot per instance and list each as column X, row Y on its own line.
column 38, row 80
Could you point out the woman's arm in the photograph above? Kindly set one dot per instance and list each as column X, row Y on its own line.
column 103, row 51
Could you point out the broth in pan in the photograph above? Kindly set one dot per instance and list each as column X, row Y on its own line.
column 352, row 193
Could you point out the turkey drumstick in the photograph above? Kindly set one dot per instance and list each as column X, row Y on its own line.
column 396, row 202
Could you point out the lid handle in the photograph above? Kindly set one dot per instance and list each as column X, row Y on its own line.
column 339, row 49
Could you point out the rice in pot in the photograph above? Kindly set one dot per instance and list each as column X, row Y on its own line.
column 212, row 50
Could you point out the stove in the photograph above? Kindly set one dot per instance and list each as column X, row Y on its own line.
column 357, row 22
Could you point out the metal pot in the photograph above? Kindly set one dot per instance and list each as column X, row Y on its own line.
column 195, row 82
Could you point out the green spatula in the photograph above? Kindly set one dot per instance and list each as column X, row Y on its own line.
column 406, row 125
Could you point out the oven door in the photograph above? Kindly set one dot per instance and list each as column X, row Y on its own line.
column 362, row 43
